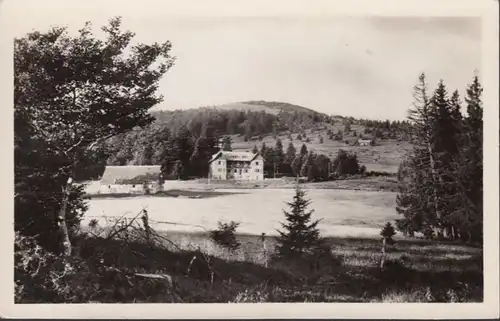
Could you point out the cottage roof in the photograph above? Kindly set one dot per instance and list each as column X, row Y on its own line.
column 235, row 156
column 113, row 173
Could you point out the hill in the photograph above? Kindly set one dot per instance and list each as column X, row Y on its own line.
column 252, row 123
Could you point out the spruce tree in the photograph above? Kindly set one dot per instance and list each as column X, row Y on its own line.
column 255, row 150
column 300, row 234
column 424, row 201
column 291, row 152
column 227, row 144
column 468, row 171
column 278, row 152
column 296, row 165
column 263, row 149
column 303, row 150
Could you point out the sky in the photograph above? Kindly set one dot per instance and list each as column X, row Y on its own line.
column 358, row 65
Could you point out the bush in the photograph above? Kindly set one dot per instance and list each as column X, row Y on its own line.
column 38, row 199
column 41, row 276
column 224, row 235
column 388, row 231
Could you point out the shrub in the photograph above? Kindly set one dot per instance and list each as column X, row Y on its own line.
column 224, row 235
column 41, row 276
column 388, row 232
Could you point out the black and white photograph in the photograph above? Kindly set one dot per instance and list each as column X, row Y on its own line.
column 212, row 154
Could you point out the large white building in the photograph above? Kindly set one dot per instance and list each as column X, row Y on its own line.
column 237, row 166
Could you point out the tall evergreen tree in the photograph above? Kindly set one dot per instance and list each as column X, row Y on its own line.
column 227, row 144
column 291, row 152
column 296, row 165
column 303, row 150
column 469, row 168
column 440, row 183
column 300, row 234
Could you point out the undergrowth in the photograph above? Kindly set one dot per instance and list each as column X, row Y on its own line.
column 129, row 263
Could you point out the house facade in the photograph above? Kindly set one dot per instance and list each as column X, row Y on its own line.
column 237, row 166
column 366, row 142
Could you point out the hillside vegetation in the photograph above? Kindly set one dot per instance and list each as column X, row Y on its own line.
column 255, row 125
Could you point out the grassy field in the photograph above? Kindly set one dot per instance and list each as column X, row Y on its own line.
column 343, row 212
column 187, row 267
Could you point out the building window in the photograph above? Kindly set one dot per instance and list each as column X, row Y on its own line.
column 236, row 171
column 256, row 170
column 246, row 170
column 256, row 163
column 219, row 162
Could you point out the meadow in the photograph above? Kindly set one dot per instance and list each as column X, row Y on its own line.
column 184, row 267
column 354, row 213
column 173, row 259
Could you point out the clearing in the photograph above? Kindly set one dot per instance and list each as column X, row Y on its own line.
column 344, row 212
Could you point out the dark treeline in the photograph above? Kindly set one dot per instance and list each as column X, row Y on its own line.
column 387, row 129
column 440, row 182
column 307, row 164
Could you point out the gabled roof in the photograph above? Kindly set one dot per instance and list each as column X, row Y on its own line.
column 113, row 173
column 235, row 156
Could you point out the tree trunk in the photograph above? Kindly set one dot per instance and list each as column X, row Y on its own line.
column 438, row 228
column 382, row 261
column 61, row 219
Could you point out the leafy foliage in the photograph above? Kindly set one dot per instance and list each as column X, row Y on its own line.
column 71, row 94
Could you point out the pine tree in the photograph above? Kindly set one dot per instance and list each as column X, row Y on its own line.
column 296, row 165
column 303, row 150
column 440, row 184
column 469, row 168
column 423, row 164
column 263, row 149
column 278, row 156
column 300, row 235
column 255, row 150
column 183, row 149
column 387, row 233
column 227, row 144
column 195, row 161
column 304, row 169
